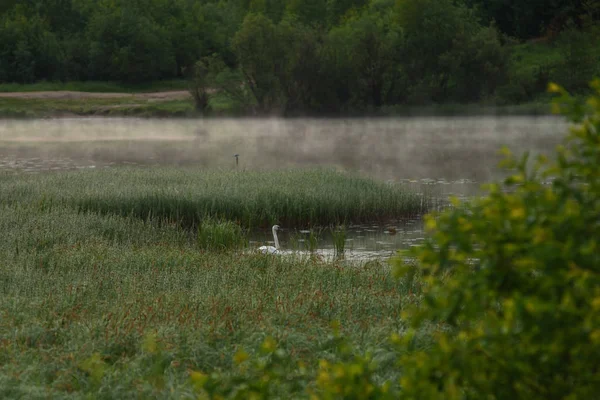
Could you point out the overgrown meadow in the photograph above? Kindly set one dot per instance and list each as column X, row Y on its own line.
column 97, row 264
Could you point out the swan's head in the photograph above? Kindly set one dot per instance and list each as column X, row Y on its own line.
column 275, row 227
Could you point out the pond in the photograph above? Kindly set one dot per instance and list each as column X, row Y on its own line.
column 362, row 242
column 439, row 155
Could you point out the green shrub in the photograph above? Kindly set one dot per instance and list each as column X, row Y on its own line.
column 28, row 49
column 530, row 68
column 339, row 234
column 512, row 280
column 220, row 235
column 259, row 53
column 199, row 84
column 127, row 46
column 579, row 57
column 446, row 54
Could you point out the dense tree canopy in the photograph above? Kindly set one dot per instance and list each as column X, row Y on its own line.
column 533, row 18
column 302, row 55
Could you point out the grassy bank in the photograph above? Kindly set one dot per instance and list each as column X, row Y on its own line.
column 186, row 196
column 44, row 108
column 138, row 104
column 96, row 86
column 87, row 279
column 95, row 99
column 80, row 292
column 137, row 107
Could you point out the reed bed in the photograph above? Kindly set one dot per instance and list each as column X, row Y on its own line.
column 251, row 199
column 78, row 288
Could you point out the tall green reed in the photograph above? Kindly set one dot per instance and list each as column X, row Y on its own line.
column 187, row 196
column 312, row 240
column 339, row 234
column 220, row 235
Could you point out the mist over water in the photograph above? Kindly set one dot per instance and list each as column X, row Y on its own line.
column 442, row 156
column 413, row 148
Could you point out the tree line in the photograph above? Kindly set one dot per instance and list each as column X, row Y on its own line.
column 304, row 55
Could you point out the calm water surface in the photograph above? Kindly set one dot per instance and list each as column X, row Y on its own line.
column 442, row 155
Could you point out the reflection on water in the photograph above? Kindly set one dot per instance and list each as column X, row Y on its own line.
column 440, row 156
column 362, row 241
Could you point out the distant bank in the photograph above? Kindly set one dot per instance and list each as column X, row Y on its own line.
column 179, row 103
column 76, row 95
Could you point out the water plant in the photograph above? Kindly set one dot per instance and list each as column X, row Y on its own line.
column 220, row 235
column 339, row 234
column 312, row 240
column 252, row 198
column 294, row 240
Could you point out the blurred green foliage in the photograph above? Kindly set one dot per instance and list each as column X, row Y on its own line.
column 512, row 280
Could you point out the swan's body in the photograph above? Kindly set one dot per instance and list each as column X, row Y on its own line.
column 271, row 249
column 268, row 250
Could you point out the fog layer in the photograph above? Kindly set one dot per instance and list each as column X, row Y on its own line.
column 385, row 148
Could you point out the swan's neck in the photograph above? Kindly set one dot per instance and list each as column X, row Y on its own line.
column 275, row 238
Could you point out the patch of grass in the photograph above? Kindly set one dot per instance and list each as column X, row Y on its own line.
column 152, row 109
column 96, row 86
column 113, row 106
column 86, row 299
column 37, row 108
column 251, row 199
column 10, row 112
column 339, row 235
column 220, row 235
column 100, row 269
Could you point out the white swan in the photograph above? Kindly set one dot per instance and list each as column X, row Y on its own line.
column 271, row 249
